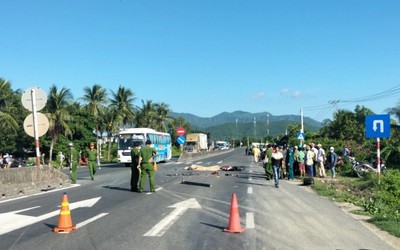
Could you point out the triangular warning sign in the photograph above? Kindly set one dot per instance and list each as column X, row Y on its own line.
column 300, row 137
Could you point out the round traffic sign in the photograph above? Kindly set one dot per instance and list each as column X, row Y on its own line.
column 180, row 131
column 181, row 140
column 42, row 124
column 40, row 97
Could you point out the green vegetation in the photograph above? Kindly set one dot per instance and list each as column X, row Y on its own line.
column 379, row 198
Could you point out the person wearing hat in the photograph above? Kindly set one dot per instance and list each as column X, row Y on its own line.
column 332, row 160
column 91, row 154
column 146, row 159
column 72, row 162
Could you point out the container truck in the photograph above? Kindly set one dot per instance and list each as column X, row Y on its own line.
column 196, row 143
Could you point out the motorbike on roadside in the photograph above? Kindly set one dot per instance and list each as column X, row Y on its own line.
column 362, row 168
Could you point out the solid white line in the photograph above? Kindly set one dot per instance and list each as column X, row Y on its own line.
column 250, row 178
column 250, row 190
column 166, row 223
column 84, row 223
column 250, row 220
column 157, row 189
column 41, row 193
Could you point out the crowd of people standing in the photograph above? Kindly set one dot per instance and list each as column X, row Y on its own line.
column 282, row 162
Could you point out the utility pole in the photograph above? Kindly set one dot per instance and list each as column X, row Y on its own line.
column 302, row 121
column 267, row 124
column 254, row 128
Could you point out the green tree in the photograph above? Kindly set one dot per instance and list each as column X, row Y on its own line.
column 122, row 103
column 111, row 122
column 162, row 116
column 58, row 115
column 7, row 109
column 96, row 100
column 145, row 116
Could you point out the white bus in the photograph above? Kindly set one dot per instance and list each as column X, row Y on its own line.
column 159, row 140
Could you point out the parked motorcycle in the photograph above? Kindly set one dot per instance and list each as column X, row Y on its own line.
column 362, row 168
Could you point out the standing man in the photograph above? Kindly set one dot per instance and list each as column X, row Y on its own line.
column 73, row 162
column 276, row 160
column 321, row 157
column 147, row 155
column 268, row 166
column 135, row 158
column 332, row 160
column 289, row 163
column 92, row 159
column 60, row 159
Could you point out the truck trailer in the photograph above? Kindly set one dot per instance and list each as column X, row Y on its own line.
column 196, row 143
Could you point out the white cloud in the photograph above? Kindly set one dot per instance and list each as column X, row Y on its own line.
column 258, row 95
column 296, row 94
column 284, row 91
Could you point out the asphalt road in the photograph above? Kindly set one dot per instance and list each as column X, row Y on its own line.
column 184, row 216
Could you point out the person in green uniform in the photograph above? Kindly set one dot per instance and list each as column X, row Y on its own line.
column 72, row 162
column 268, row 166
column 91, row 154
column 135, row 155
column 147, row 155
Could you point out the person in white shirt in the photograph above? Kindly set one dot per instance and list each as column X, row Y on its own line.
column 320, row 160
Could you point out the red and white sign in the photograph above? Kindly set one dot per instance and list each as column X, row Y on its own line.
column 180, row 131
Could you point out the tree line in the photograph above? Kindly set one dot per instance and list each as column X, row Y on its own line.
column 99, row 112
column 104, row 112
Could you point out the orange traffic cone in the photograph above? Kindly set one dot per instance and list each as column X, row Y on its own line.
column 65, row 220
column 234, row 219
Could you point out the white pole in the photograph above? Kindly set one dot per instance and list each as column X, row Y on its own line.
column 35, row 128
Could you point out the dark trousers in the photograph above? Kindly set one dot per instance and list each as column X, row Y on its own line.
column 134, row 178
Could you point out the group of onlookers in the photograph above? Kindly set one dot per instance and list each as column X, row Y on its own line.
column 5, row 161
column 304, row 160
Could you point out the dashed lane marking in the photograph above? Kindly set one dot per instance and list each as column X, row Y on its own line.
column 249, row 220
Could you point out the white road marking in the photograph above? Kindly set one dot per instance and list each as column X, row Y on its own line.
column 180, row 208
column 249, row 220
column 250, row 178
column 12, row 220
column 157, row 189
column 84, row 223
column 250, row 171
column 250, row 190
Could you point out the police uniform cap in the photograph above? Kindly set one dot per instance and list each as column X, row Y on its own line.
column 148, row 142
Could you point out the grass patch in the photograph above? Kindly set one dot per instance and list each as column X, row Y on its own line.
column 379, row 199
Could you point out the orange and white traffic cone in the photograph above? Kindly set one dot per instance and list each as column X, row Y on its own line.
column 234, row 219
column 65, row 220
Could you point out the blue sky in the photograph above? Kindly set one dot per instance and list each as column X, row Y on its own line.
column 206, row 57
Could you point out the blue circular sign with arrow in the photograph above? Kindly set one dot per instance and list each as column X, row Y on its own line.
column 181, row 140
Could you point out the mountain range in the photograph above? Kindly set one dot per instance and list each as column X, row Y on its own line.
column 239, row 124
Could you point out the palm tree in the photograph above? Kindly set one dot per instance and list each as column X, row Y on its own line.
column 122, row 103
column 146, row 115
column 6, row 107
column 58, row 114
column 162, row 112
column 95, row 99
column 111, row 122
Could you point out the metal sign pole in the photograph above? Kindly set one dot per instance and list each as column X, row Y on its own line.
column 378, row 158
column 35, row 129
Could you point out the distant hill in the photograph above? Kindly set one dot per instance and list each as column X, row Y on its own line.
column 241, row 124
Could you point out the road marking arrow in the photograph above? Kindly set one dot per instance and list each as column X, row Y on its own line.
column 12, row 220
column 375, row 125
column 180, row 208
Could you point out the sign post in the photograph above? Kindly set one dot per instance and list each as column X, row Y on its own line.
column 34, row 99
column 377, row 126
